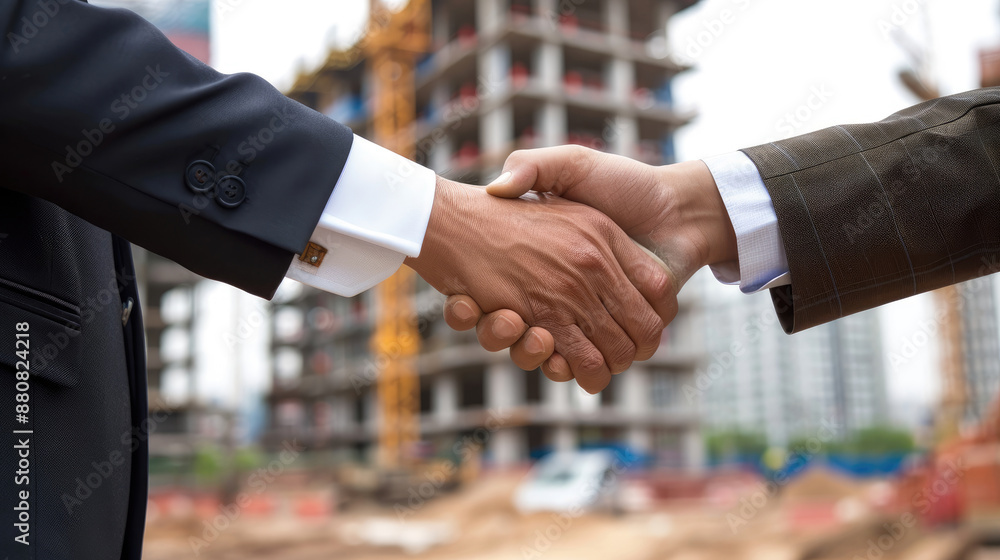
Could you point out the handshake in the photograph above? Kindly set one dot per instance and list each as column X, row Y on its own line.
column 554, row 274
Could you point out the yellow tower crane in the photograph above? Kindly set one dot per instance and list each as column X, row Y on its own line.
column 392, row 45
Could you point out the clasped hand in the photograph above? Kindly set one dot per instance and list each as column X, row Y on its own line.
column 554, row 276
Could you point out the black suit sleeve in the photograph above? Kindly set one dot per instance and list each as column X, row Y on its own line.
column 873, row 213
column 103, row 116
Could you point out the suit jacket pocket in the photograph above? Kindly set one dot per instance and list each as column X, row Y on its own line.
column 54, row 325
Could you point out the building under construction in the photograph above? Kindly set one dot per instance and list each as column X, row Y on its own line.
column 500, row 75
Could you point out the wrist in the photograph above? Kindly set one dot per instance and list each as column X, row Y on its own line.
column 442, row 233
column 698, row 214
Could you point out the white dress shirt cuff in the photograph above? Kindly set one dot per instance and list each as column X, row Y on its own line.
column 376, row 217
column 762, row 262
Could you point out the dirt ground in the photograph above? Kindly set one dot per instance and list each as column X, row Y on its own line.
column 481, row 523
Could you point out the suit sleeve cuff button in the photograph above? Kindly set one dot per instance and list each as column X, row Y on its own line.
column 232, row 191
column 200, row 176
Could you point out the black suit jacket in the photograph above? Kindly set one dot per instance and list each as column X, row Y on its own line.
column 109, row 133
column 873, row 213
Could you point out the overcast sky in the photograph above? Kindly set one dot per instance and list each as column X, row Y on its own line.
column 764, row 69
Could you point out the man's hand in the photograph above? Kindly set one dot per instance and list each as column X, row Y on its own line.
column 675, row 211
column 559, row 265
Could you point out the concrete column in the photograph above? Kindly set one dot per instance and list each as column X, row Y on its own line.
column 445, row 398
column 551, row 117
column 496, row 133
column 494, row 72
column 634, row 392
column 491, row 15
column 584, row 401
column 440, row 26
column 564, row 438
column 693, row 447
column 548, row 10
column 621, row 80
column 616, row 14
column 504, row 387
column 552, row 124
column 666, row 11
column 340, row 411
column 438, row 145
column 508, row 447
column 622, row 136
column 555, row 397
column 639, row 439
column 441, row 148
column 440, row 94
column 549, row 66
column 371, row 412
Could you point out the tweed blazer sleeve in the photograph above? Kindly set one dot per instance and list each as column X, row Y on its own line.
column 873, row 213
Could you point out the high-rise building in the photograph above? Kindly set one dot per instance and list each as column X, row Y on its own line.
column 760, row 380
column 502, row 75
column 980, row 347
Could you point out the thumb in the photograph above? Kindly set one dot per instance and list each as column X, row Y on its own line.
column 556, row 170
column 512, row 183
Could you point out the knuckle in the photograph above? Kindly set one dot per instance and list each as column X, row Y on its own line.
column 518, row 156
column 650, row 329
column 579, row 161
column 661, row 285
column 586, row 325
column 651, row 338
column 605, row 226
column 591, row 362
column 623, row 355
column 590, row 259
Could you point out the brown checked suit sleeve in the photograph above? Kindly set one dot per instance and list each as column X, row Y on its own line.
column 873, row 213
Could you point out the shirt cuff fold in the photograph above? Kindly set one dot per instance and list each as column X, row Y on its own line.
column 762, row 261
column 375, row 218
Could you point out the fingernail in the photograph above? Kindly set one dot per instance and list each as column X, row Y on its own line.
column 534, row 344
column 463, row 311
column 503, row 178
column 504, row 328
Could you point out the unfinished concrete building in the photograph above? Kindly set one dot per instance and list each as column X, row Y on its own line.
column 503, row 75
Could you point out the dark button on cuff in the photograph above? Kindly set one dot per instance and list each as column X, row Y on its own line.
column 200, row 176
column 232, row 191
